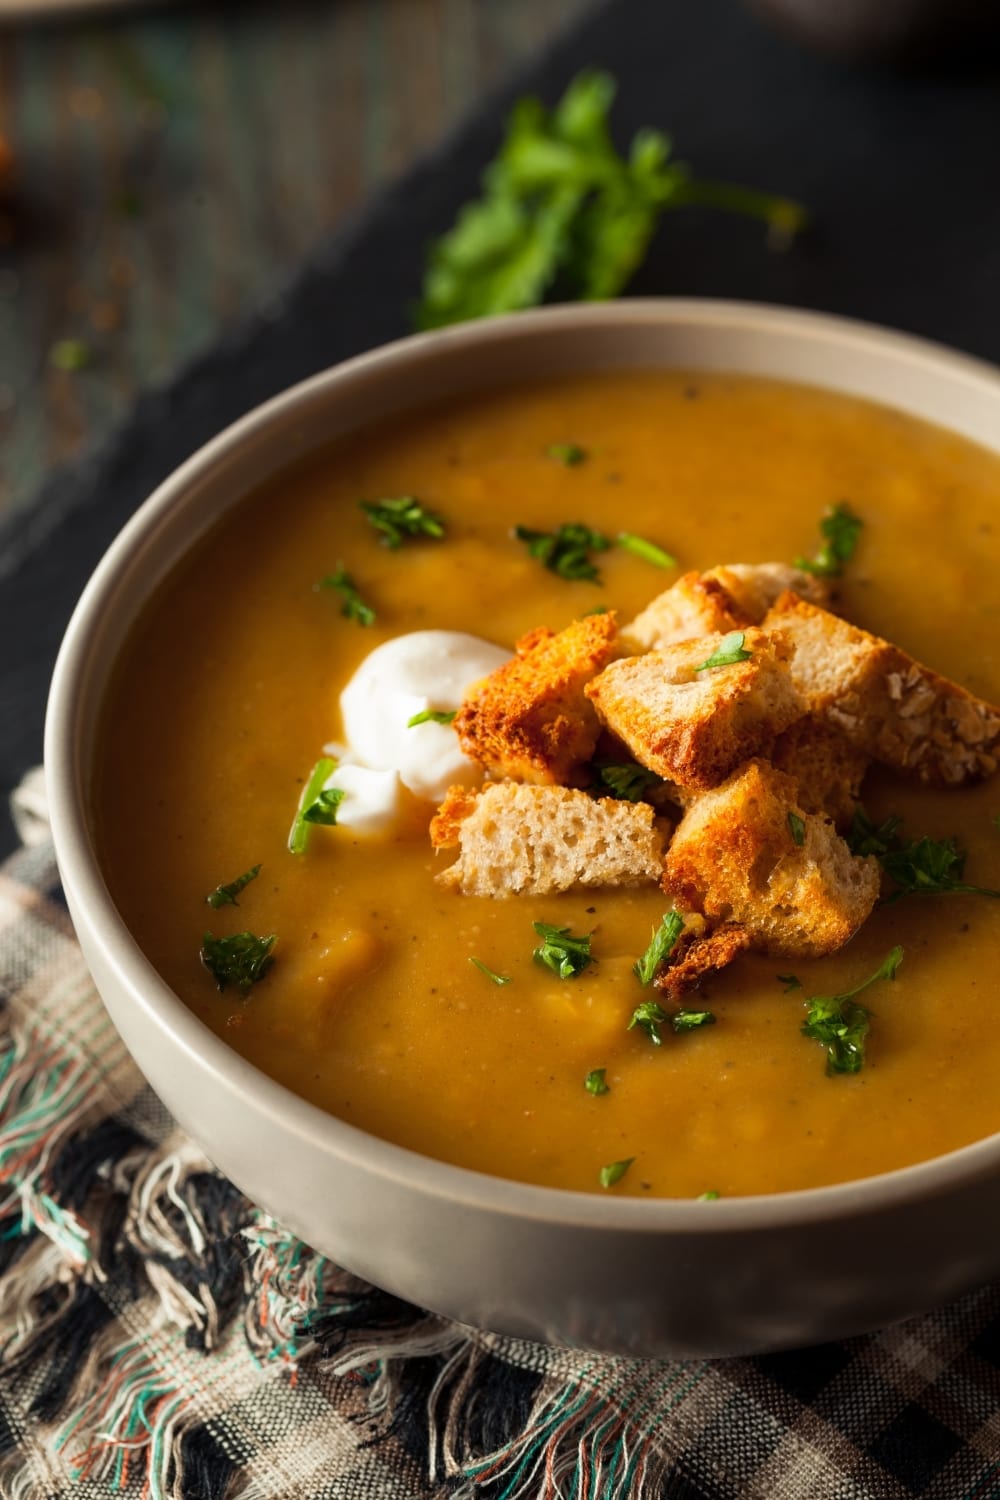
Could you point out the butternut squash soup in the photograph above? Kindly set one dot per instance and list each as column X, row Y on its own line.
column 501, row 1023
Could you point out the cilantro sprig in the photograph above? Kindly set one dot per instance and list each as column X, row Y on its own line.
column 565, row 551
column 840, row 529
column 225, row 895
column 242, row 959
column 840, row 1025
column 563, row 213
column 401, row 517
column 317, row 804
column 561, row 952
column 730, row 650
column 917, row 867
column 353, row 606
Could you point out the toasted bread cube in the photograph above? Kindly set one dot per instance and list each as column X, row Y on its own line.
column 894, row 709
column 736, row 857
column 530, row 719
column 829, row 770
column 703, row 955
column 694, row 726
column 696, row 605
column 516, row 839
column 753, row 587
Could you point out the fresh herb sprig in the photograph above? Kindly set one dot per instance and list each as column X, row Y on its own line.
column 840, row 529
column 917, row 867
column 563, row 213
column 566, row 551
column 840, row 1025
column 595, row 1082
column 639, row 546
column 567, row 454
column 402, row 517
column 225, row 895
column 648, row 1016
column 497, row 979
column 730, row 650
column 353, row 606
column 561, row 952
column 432, row 716
column 241, row 960
column 628, row 781
column 317, row 804
column 614, row 1172
column 661, row 946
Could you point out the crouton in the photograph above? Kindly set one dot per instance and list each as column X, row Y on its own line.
column 829, row 770
column 751, row 854
column 894, row 709
column 753, row 587
column 530, row 719
column 517, row 840
column 705, row 954
column 693, row 726
column 695, row 605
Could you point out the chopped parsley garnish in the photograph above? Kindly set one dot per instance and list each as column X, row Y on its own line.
column 353, row 607
column 563, row 214
column 240, row 960
column 648, row 1016
column 496, row 978
column 432, row 716
column 628, row 781
column 70, row 355
column 840, row 1025
column 840, row 529
column 728, row 652
column 567, row 550
column 594, row 1082
column 400, row 518
column 614, row 1172
column 917, row 867
column 710, row 1197
column 660, row 947
column 564, row 954
column 225, row 895
column 797, row 828
column 790, row 981
column 648, row 551
column 567, row 454
column 690, row 1020
column 315, row 805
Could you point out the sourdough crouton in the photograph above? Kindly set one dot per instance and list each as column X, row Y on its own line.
column 753, row 587
column 694, row 726
column 751, row 854
column 702, row 955
column 530, row 719
column 516, row 840
column 829, row 770
column 695, row 605
column 888, row 705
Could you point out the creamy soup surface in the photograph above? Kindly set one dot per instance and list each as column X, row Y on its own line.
column 229, row 692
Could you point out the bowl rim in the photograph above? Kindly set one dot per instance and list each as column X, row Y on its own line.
column 81, row 874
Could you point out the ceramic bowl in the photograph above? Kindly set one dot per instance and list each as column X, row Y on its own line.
column 618, row 1274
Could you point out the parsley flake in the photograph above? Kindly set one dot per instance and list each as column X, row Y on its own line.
column 711, row 1196
column 432, row 716
column 614, row 1172
column 241, row 960
column 564, row 954
column 496, row 978
column 840, row 529
column 840, row 1025
column 648, row 1016
column 660, row 948
column 400, row 518
column 323, row 809
column 567, row 550
column 594, row 1082
column 71, row 355
column 917, row 867
column 628, row 781
column 316, row 805
column 224, row 895
column 790, row 981
column 691, row 1020
column 648, row 551
column 728, row 652
column 353, row 607
column 797, row 828
column 567, row 454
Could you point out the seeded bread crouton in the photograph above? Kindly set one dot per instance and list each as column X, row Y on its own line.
column 736, row 857
column 695, row 605
column 703, row 955
column 518, row 840
column 753, row 587
column 530, row 719
column 693, row 727
column 888, row 705
column 829, row 770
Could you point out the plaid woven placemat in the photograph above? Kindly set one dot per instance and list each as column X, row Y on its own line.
column 159, row 1336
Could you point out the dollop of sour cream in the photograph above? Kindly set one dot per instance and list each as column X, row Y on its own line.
column 426, row 669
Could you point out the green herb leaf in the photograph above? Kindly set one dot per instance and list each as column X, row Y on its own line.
column 323, row 809
column 614, row 1172
column 432, row 716
column 567, row 550
column 796, row 828
column 648, row 1016
column 496, row 978
column 840, row 1025
column 728, row 652
column 564, row 954
column 790, row 981
column 224, row 895
column 70, row 355
column 563, row 213
column 298, row 834
column 866, row 837
column 402, row 517
column 594, row 1082
column 568, row 454
column 648, row 551
column 660, row 947
column 629, row 781
column 917, row 867
column 241, row 960
column 710, row 1197
column 691, row 1020
column 353, row 607
column 840, row 529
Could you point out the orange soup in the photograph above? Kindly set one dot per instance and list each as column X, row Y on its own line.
column 371, row 1008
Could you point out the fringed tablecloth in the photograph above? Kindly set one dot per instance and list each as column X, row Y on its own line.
column 161, row 1337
